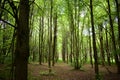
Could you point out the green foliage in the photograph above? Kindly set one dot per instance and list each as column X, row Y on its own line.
column 59, row 61
column 47, row 73
column 117, row 52
column 8, row 59
column 41, row 9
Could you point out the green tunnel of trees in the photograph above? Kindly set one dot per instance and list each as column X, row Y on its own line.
column 73, row 31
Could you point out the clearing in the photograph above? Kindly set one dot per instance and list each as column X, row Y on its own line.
column 63, row 71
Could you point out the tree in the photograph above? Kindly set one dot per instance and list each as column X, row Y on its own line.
column 50, row 36
column 54, row 39
column 22, row 41
column 113, row 38
column 118, row 17
column 101, row 44
column 107, row 47
column 94, row 41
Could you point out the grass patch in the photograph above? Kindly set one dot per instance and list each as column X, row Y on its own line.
column 59, row 61
column 47, row 73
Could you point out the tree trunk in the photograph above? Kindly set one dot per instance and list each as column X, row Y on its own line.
column 40, row 54
column 101, row 44
column 41, row 42
column 34, row 50
column 118, row 16
column 90, row 49
column 113, row 38
column 22, row 42
column 64, row 48
column 50, row 36
column 55, row 39
column 94, row 42
column 107, row 48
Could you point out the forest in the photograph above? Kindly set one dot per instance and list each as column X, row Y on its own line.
column 59, row 39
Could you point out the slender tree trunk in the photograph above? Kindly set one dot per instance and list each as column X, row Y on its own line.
column 107, row 48
column 94, row 42
column 34, row 50
column 55, row 39
column 22, row 42
column 67, row 59
column 76, row 34
column 72, row 36
column 90, row 50
column 118, row 16
column 50, row 36
column 101, row 44
column 113, row 38
column 40, row 41
column 63, row 48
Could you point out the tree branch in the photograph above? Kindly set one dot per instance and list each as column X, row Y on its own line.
column 9, row 12
column 8, row 23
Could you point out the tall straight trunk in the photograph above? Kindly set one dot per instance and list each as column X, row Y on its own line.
column 40, row 52
column 107, row 48
column 101, row 44
column 90, row 49
column 12, row 52
column 50, row 35
column 0, row 47
column 22, row 42
column 42, row 39
column 34, row 51
column 94, row 41
column 64, row 48
column 113, row 38
column 76, row 34
column 118, row 16
column 72, row 30
column 70, row 15
column 55, row 39
column 41, row 42
column 67, row 55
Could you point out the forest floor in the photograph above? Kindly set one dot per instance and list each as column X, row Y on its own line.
column 63, row 71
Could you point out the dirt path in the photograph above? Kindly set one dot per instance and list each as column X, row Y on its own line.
column 64, row 71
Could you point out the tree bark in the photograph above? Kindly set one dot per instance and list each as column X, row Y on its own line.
column 101, row 44
column 22, row 42
column 50, row 36
column 90, row 49
column 55, row 39
column 113, row 38
column 118, row 16
column 107, row 48
column 94, row 41
column 40, row 42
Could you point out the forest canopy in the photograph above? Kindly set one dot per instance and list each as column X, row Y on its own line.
column 75, row 32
